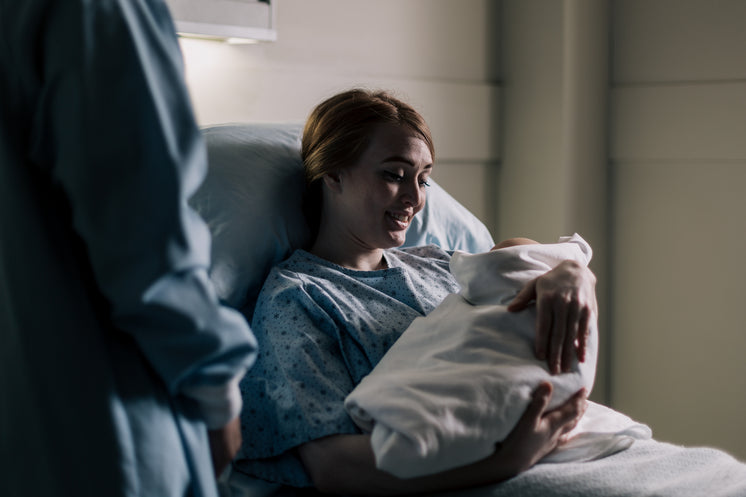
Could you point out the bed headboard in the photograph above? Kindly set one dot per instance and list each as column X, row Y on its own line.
column 251, row 200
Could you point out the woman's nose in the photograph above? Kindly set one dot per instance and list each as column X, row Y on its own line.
column 413, row 195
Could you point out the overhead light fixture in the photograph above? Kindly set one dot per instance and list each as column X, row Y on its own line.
column 230, row 21
column 241, row 41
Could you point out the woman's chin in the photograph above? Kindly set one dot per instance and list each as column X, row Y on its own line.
column 398, row 238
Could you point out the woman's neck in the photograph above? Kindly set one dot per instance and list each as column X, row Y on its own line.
column 358, row 258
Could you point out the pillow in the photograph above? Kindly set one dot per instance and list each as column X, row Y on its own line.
column 448, row 224
column 251, row 200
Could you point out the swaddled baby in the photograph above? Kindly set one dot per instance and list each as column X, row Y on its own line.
column 458, row 380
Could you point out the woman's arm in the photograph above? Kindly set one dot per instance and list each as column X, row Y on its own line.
column 345, row 464
column 565, row 307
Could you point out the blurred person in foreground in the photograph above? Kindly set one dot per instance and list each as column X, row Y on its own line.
column 118, row 365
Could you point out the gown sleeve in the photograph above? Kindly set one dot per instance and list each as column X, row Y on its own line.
column 115, row 130
column 298, row 385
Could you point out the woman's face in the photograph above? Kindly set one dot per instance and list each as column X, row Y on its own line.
column 379, row 195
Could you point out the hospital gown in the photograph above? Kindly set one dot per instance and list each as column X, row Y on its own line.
column 115, row 353
column 321, row 328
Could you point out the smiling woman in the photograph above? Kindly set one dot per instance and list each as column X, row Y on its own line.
column 367, row 207
column 341, row 128
column 327, row 315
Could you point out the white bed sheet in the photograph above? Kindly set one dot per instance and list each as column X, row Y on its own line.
column 647, row 468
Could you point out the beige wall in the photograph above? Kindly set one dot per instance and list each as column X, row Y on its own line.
column 553, row 169
column 439, row 55
column 678, row 162
column 672, row 173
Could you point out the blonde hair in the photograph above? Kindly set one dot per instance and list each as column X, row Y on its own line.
column 338, row 131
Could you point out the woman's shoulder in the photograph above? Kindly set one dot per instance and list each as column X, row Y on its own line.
column 288, row 273
column 295, row 277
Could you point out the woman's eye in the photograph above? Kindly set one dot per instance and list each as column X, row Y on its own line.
column 390, row 176
column 423, row 182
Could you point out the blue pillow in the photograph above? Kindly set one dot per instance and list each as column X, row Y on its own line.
column 251, row 200
column 448, row 224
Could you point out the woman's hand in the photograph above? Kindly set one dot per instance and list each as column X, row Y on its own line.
column 565, row 305
column 345, row 464
column 224, row 445
column 539, row 432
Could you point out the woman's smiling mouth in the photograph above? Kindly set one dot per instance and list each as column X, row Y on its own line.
column 402, row 220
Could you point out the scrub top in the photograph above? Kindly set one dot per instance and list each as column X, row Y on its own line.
column 115, row 353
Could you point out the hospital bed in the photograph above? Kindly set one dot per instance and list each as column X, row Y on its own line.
column 251, row 200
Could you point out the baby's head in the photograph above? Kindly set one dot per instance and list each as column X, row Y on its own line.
column 511, row 242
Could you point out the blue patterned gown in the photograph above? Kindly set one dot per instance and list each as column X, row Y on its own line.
column 321, row 328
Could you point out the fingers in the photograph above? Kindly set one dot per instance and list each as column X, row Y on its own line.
column 580, row 403
column 540, row 401
column 566, row 417
column 543, row 328
column 224, row 444
column 571, row 333
column 559, row 331
column 562, row 332
column 524, row 297
column 539, row 431
column 584, row 333
column 565, row 305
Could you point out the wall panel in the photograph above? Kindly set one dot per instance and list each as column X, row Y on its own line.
column 679, row 40
column 478, row 199
column 679, row 333
column 678, row 122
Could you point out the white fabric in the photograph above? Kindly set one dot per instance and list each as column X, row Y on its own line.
column 459, row 379
column 252, row 202
column 647, row 468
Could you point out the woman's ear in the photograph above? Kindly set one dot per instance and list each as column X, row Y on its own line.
column 333, row 181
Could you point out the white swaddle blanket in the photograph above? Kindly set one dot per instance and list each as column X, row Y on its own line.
column 458, row 380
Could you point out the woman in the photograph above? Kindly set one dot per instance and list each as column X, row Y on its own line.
column 327, row 315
